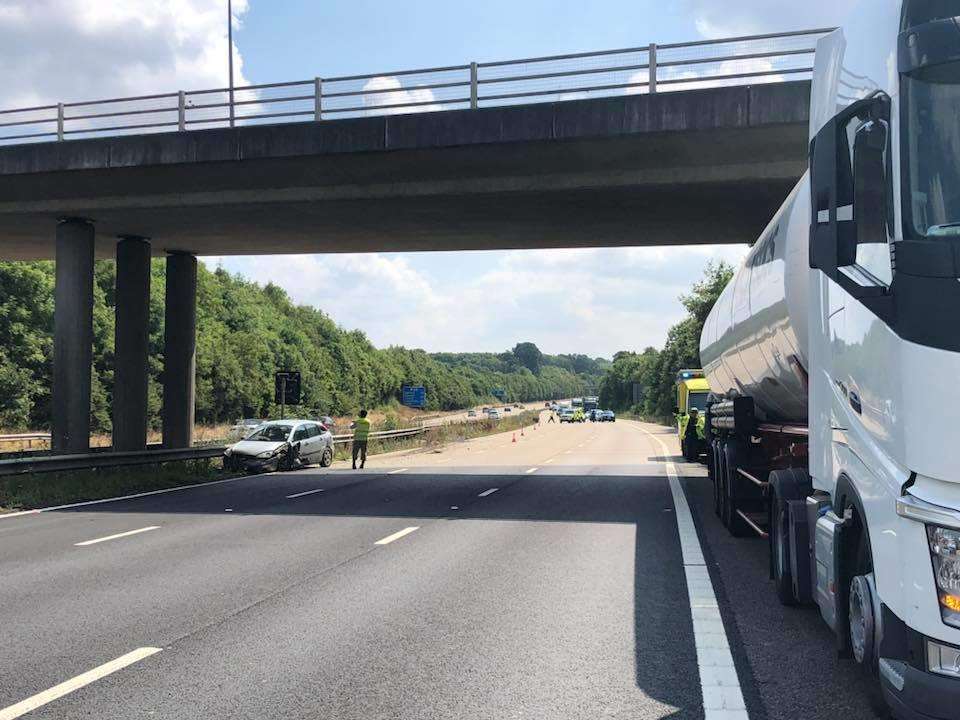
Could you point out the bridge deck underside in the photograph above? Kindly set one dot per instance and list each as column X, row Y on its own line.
column 706, row 166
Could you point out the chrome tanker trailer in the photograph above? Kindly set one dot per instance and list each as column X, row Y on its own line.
column 833, row 355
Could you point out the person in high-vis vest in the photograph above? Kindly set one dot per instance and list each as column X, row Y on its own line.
column 361, row 433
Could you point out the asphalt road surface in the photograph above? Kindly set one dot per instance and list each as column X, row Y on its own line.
column 553, row 574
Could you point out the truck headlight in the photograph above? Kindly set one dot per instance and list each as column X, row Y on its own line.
column 945, row 551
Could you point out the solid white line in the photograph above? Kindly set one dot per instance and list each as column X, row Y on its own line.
column 398, row 470
column 118, row 535
column 491, row 491
column 397, row 535
column 531, row 470
column 308, row 492
column 548, row 461
column 719, row 683
column 65, row 688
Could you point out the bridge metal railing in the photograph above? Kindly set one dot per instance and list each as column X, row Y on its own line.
column 652, row 68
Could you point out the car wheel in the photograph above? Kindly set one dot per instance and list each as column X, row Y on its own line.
column 326, row 460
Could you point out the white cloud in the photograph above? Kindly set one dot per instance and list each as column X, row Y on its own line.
column 596, row 301
column 67, row 50
column 749, row 17
column 388, row 90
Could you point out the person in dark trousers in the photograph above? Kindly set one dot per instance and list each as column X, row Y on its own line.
column 361, row 433
column 552, row 419
column 690, row 436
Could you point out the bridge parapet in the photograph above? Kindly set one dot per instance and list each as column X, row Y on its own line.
column 651, row 68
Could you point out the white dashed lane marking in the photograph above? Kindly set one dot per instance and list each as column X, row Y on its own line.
column 397, row 535
column 69, row 686
column 117, row 536
column 307, row 492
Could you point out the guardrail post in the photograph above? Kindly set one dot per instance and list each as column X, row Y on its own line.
column 652, row 69
column 182, row 110
column 317, row 99
column 473, row 86
column 59, row 121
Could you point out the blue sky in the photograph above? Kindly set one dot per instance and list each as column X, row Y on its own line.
column 595, row 301
column 340, row 38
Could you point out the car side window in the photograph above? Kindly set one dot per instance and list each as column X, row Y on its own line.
column 313, row 430
column 301, row 433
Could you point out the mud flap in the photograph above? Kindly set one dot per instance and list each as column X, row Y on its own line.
column 799, row 537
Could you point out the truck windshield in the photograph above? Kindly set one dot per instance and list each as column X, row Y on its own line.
column 697, row 400
column 931, row 150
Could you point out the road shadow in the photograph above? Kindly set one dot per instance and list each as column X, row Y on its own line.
column 664, row 649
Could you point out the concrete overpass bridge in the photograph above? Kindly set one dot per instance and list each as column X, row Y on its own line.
column 658, row 145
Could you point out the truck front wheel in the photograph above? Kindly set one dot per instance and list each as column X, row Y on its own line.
column 862, row 621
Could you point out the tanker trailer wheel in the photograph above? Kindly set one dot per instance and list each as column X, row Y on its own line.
column 732, row 457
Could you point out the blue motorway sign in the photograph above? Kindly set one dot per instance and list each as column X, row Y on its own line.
column 413, row 396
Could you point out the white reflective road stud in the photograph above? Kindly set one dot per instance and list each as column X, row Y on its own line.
column 65, row 688
column 719, row 682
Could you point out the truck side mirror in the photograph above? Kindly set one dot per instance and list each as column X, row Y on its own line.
column 869, row 182
column 848, row 188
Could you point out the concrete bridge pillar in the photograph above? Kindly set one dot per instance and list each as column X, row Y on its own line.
column 132, row 344
column 179, row 350
column 72, row 336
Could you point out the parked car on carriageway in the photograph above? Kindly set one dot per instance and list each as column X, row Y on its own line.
column 281, row 445
column 607, row 416
column 566, row 415
column 471, row 413
column 493, row 414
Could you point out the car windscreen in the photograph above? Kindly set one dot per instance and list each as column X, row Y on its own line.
column 272, row 433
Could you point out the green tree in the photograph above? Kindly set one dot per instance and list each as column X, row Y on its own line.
column 656, row 371
column 529, row 356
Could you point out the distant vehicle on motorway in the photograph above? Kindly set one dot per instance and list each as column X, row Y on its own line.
column 594, row 415
column 494, row 414
column 548, row 405
column 281, row 445
column 508, row 409
column 607, row 416
column 570, row 415
column 471, row 413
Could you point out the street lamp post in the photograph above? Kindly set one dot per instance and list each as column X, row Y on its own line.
column 230, row 53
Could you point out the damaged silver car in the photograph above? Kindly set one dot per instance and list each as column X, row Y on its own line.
column 281, row 445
